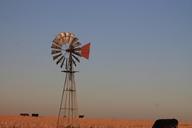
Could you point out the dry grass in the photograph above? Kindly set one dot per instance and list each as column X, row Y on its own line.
column 50, row 122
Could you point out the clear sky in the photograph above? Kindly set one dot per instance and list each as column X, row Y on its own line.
column 140, row 65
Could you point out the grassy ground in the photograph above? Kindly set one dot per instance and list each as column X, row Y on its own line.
column 50, row 122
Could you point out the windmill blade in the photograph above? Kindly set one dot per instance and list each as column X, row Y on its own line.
column 74, row 62
column 77, row 59
column 62, row 62
column 77, row 49
column 74, row 40
column 77, row 53
column 67, row 37
column 76, row 44
column 60, row 59
column 71, row 38
column 55, row 46
column 55, row 57
column 85, row 50
column 55, row 51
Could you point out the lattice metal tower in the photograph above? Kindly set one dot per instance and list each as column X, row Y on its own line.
column 66, row 51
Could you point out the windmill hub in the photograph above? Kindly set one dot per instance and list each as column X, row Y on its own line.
column 66, row 51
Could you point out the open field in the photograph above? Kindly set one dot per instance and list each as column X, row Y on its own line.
column 50, row 122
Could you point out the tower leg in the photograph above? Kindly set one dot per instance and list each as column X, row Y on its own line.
column 68, row 110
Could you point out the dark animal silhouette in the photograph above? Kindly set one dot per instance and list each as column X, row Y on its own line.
column 165, row 123
column 24, row 114
column 81, row 116
column 34, row 115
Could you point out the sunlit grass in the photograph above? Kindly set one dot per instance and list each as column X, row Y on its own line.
column 50, row 122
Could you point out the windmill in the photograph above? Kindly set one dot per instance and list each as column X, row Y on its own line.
column 66, row 51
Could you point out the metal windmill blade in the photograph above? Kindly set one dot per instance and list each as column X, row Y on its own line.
column 73, row 61
column 62, row 62
column 56, row 56
column 59, row 60
column 77, row 53
column 76, row 58
column 55, row 51
column 77, row 49
column 74, row 41
column 55, row 46
column 68, row 35
column 76, row 44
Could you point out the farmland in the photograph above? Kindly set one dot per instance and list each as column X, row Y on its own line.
column 50, row 122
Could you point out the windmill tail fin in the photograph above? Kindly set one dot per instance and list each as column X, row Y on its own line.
column 85, row 49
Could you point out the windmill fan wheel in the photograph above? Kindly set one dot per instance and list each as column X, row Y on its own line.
column 66, row 50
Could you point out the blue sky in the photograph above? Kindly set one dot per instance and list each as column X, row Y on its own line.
column 139, row 67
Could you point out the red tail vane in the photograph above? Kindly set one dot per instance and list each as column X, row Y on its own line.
column 85, row 50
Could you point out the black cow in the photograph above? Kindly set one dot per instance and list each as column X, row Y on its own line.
column 24, row 114
column 81, row 116
column 165, row 123
column 34, row 115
